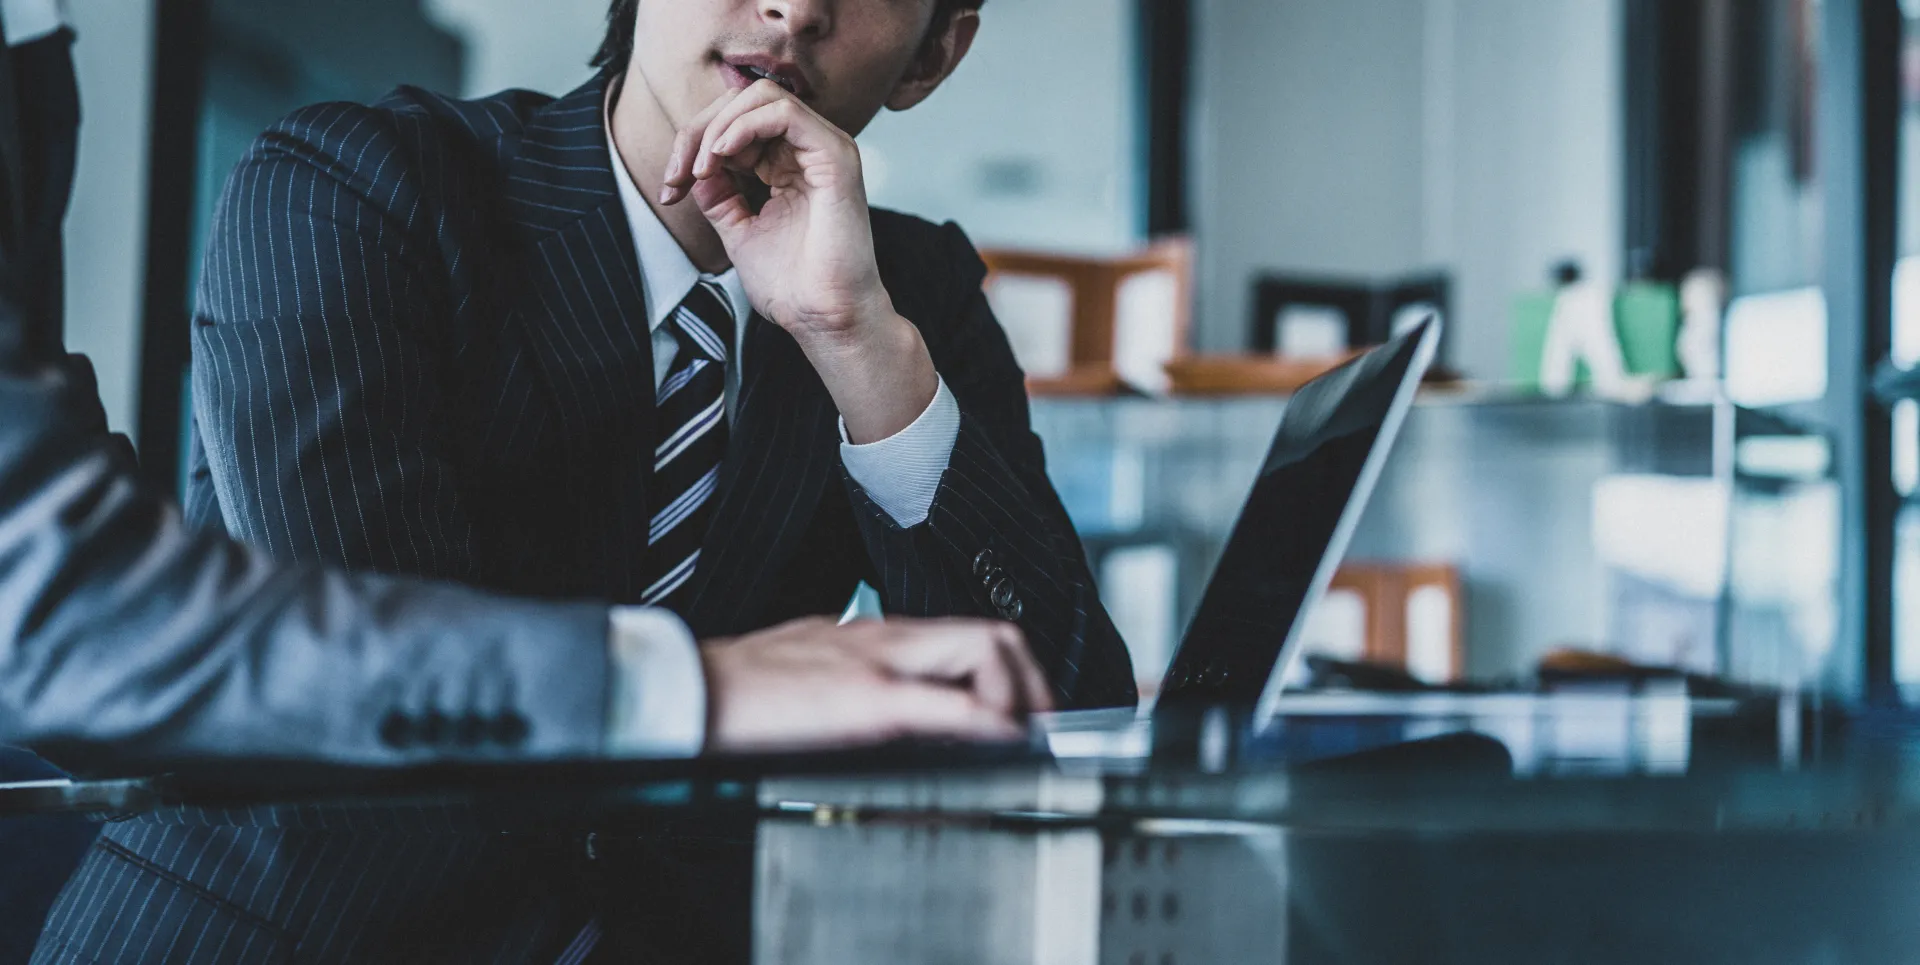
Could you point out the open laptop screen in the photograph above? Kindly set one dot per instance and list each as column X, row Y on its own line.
column 1303, row 507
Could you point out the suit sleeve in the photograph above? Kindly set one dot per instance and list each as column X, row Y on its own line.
column 318, row 394
column 997, row 542
column 122, row 629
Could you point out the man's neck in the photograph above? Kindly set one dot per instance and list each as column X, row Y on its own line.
column 644, row 135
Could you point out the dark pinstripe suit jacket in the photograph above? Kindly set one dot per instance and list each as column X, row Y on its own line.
column 421, row 348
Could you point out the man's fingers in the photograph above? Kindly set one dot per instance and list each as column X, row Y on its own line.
column 988, row 675
column 762, row 94
column 931, row 710
column 756, row 160
column 803, row 626
column 742, row 144
column 786, row 121
column 724, row 205
column 812, row 684
column 678, row 180
column 956, row 651
column 1037, row 693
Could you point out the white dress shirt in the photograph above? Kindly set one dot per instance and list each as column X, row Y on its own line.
column 29, row 20
column 657, row 702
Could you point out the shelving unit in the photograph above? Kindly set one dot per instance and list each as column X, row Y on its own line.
column 1505, row 485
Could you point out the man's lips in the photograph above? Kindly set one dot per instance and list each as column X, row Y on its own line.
column 746, row 70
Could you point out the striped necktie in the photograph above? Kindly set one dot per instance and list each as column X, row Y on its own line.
column 691, row 409
column 692, row 413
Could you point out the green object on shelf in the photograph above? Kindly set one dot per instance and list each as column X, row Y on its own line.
column 1532, row 313
column 1646, row 317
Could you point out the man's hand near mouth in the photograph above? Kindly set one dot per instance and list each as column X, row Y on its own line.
column 805, row 255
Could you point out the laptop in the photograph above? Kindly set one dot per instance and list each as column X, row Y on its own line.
column 1293, row 530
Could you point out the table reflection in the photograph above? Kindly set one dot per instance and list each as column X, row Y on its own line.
column 927, row 892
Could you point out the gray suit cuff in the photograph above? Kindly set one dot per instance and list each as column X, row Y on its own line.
column 31, row 20
column 657, row 692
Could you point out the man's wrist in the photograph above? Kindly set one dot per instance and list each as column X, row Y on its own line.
column 879, row 373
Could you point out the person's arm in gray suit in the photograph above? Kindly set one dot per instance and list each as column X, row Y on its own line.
column 118, row 626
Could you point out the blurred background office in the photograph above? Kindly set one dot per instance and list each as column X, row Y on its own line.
column 1669, row 239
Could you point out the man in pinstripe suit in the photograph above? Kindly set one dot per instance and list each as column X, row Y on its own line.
column 120, row 627
column 487, row 341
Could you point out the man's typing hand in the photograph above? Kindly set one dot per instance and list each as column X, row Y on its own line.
column 812, row 684
column 805, row 250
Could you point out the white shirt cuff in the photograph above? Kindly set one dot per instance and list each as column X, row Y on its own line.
column 30, row 20
column 657, row 698
column 901, row 473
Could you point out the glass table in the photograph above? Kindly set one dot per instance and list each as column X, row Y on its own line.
column 1636, row 826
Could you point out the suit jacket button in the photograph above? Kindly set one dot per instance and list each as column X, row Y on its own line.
column 510, row 729
column 993, row 576
column 1003, row 594
column 470, row 731
column 983, row 564
column 435, row 728
column 396, row 730
column 1012, row 611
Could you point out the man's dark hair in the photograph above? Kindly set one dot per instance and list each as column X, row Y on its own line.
column 617, row 49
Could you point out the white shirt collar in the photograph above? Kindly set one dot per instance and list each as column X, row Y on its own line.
column 666, row 273
column 30, row 20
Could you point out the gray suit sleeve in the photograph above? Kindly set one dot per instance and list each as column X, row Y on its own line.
column 121, row 628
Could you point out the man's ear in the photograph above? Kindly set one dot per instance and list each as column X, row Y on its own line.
column 936, row 60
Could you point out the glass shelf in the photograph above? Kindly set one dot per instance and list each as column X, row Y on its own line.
column 1656, row 531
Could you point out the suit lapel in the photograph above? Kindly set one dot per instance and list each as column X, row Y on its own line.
column 585, row 318
column 782, row 452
